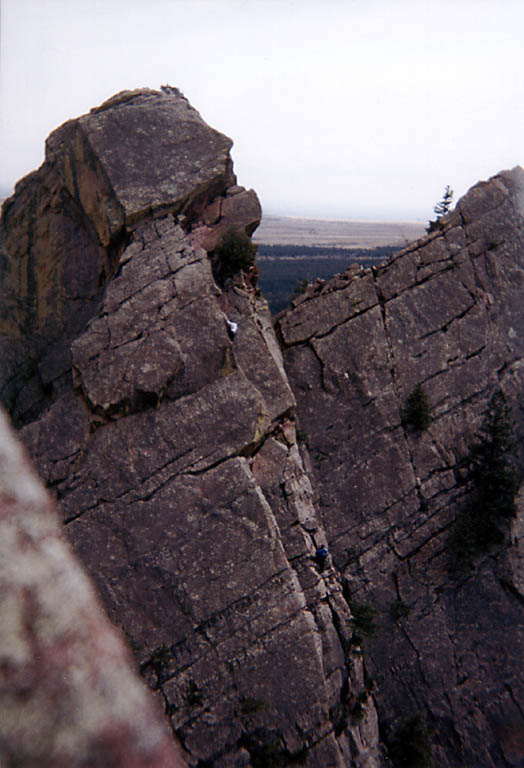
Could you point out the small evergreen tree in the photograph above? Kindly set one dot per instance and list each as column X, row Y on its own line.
column 410, row 744
column 301, row 286
column 441, row 208
column 494, row 478
column 363, row 620
column 417, row 412
column 444, row 205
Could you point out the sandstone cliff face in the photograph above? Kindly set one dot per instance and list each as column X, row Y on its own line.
column 169, row 440
column 446, row 313
column 69, row 695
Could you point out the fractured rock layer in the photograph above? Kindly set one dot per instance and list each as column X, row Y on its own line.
column 446, row 312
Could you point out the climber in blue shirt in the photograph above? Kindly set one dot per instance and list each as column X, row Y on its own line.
column 321, row 556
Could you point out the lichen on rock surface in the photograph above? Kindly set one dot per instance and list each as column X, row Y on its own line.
column 169, row 441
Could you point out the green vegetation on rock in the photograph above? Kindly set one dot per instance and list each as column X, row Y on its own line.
column 234, row 252
column 441, row 209
column 417, row 411
column 363, row 619
column 492, row 465
column 409, row 746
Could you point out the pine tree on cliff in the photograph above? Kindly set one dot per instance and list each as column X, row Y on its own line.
column 483, row 520
column 441, row 208
column 444, row 205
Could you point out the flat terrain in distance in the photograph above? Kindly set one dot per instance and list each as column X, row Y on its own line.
column 294, row 251
column 345, row 233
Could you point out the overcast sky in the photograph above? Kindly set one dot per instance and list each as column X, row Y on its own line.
column 338, row 108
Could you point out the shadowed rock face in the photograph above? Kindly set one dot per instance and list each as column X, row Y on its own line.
column 169, row 441
column 68, row 691
column 446, row 313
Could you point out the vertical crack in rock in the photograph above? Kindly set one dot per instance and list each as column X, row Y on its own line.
column 390, row 351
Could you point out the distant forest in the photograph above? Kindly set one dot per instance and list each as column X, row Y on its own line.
column 284, row 268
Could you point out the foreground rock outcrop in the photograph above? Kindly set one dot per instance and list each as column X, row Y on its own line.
column 445, row 313
column 145, row 375
column 68, row 692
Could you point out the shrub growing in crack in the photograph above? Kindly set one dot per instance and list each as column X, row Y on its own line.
column 301, row 286
column 349, row 710
column 417, row 411
column 194, row 694
column 234, row 252
column 492, row 244
column 159, row 663
column 249, row 705
column 302, row 436
column 359, row 707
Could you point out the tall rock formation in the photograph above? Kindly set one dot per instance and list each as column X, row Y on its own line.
column 140, row 363
column 445, row 313
column 143, row 368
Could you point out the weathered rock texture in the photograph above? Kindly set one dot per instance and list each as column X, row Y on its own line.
column 169, row 441
column 139, row 155
column 446, row 313
column 69, row 695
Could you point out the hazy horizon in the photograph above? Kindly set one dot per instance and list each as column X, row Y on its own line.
column 6, row 192
column 349, row 109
